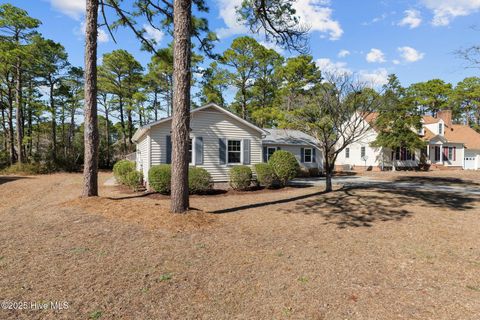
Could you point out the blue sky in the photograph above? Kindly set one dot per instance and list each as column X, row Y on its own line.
column 416, row 39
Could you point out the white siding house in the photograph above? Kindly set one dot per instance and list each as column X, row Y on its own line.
column 220, row 140
column 448, row 146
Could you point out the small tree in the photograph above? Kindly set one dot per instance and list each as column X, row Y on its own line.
column 335, row 116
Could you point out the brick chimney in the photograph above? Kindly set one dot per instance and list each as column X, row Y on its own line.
column 446, row 116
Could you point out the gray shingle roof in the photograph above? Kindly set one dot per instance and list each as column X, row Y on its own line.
column 287, row 136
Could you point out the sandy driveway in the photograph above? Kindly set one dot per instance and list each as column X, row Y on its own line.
column 358, row 253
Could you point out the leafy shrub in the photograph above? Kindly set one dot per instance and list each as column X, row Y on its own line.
column 265, row 174
column 303, row 173
column 284, row 165
column 240, row 177
column 199, row 180
column 160, row 178
column 26, row 169
column 133, row 179
column 121, row 169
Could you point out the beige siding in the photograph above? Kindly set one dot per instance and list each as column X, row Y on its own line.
column 211, row 125
column 143, row 153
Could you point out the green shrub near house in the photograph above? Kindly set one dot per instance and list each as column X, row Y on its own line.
column 240, row 177
column 134, row 179
column 265, row 175
column 121, row 169
column 160, row 177
column 199, row 180
column 285, row 166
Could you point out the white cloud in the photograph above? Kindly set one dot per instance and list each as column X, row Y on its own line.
column 72, row 8
column 396, row 61
column 228, row 12
column 343, row 53
column 318, row 16
column 371, row 78
column 375, row 78
column 375, row 55
column 412, row 19
column 410, row 54
column 444, row 11
column 313, row 13
column 153, row 34
column 102, row 36
column 327, row 66
column 273, row 46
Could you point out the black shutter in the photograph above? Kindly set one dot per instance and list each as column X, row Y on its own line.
column 265, row 154
column 169, row 149
column 246, row 151
column 222, row 151
column 198, row 150
column 314, row 155
column 302, row 155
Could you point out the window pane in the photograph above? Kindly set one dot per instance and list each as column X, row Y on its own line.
column 234, row 151
column 270, row 151
column 233, row 157
column 308, row 155
column 190, row 151
column 234, row 145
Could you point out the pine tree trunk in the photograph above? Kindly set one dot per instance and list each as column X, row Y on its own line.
column 182, row 20
column 90, row 169
column 19, row 113
column 54, row 124
column 122, row 124
column 11, row 135
column 107, row 137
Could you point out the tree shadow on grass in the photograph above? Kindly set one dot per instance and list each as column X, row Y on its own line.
column 5, row 179
column 363, row 206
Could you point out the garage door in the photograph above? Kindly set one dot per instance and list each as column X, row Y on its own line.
column 470, row 163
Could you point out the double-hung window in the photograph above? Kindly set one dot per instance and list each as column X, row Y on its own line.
column 440, row 128
column 307, row 155
column 234, row 151
column 362, row 152
column 270, row 152
column 190, row 151
column 347, row 153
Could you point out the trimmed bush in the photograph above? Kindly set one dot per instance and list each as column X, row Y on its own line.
column 121, row 169
column 265, row 175
column 199, row 180
column 160, row 178
column 133, row 179
column 240, row 177
column 284, row 165
column 314, row 172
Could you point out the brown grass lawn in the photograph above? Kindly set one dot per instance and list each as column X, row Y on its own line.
column 283, row 254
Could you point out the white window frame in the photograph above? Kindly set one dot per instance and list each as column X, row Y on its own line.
column 304, row 155
column 268, row 153
column 192, row 159
column 440, row 128
column 241, row 152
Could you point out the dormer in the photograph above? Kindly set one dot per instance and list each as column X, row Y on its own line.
column 421, row 131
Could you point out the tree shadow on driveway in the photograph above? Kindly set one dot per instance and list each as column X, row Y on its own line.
column 363, row 206
column 440, row 181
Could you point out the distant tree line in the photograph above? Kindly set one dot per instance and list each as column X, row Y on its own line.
column 42, row 96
